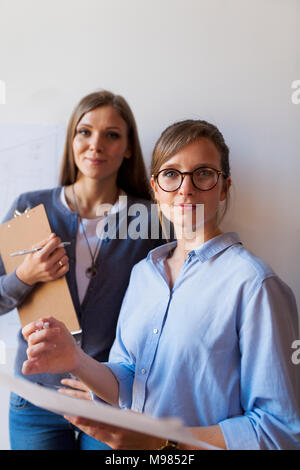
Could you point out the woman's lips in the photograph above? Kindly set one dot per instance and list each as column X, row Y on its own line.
column 187, row 206
column 95, row 161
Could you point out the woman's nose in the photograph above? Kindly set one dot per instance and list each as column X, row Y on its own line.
column 187, row 186
column 96, row 142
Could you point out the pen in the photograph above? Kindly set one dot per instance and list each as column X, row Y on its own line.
column 33, row 250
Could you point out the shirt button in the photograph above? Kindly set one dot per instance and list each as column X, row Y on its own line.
column 143, row 371
column 155, row 331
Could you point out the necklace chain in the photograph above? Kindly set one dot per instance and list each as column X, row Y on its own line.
column 91, row 271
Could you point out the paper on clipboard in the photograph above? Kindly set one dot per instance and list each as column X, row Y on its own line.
column 47, row 298
column 166, row 428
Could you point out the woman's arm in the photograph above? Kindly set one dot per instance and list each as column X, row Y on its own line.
column 54, row 350
column 48, row 264
column 269, row 391
column 12, row 290
column 97, row 377
column 210, row 434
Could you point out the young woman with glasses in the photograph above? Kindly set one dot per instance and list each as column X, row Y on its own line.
column 213, row 345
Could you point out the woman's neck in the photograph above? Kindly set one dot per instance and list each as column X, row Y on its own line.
column 87, row 195
column 188, row 242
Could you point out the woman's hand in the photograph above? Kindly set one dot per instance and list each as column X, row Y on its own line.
column 78, row 389
column 117, row 438
column 45, row 265
column 51, row 349
column 124, row 439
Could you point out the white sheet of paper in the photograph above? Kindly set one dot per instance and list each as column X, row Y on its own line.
column 166, row 428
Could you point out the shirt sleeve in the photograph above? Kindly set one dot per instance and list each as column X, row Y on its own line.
column 269, row 381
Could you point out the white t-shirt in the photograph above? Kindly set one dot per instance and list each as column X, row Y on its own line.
column 92, row 227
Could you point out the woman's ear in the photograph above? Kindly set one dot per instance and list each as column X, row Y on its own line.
column 226, row 186
column 127, row 154
column 154, row 188
column 153, row 185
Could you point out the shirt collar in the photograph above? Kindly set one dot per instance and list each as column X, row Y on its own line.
column 206, row 251
column 161, row 252
column 217, row 244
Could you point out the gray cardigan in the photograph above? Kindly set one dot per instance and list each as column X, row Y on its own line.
column 98, row 313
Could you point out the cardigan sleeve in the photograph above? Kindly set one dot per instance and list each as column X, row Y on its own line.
column 12, row 290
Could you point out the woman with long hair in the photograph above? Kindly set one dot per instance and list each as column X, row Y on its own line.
column 102, row 177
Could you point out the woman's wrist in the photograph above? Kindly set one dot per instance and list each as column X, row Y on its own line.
column 78, row 359
column 169, row 445
column 22, row 277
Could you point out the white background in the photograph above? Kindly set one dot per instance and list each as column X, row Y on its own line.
column 231, row 62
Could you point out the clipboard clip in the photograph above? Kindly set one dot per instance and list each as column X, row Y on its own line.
column 18, row 213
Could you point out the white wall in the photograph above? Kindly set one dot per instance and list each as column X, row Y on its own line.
column 231, row 62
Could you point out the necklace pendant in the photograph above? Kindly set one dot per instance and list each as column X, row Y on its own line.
column 91, row 272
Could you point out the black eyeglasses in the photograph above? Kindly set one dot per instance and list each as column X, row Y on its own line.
column 203, row 178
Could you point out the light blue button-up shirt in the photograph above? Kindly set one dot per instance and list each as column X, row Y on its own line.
column 216, row 349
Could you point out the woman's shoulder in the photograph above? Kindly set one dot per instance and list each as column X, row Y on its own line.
column 233, row 258
column 251, row 263
column 30, row 199
column 260, row 275
column 33, row 198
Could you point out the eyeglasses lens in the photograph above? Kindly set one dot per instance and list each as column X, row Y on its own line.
column 203, row 178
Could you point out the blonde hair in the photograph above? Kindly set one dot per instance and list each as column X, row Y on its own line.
column 132, row 176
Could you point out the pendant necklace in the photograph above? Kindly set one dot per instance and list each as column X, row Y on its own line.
column 91, row 271
column 171, row 252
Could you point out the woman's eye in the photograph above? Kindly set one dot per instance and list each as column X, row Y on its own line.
column 84, row 132
column 170, row 174
column 113, row 135
column 205, row 173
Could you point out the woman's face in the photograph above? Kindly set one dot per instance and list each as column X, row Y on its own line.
column 100, row 144
column 180, row 206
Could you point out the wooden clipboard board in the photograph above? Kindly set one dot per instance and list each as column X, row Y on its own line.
column 47, row 299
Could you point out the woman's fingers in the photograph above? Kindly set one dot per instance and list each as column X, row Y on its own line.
column 43, row 335
column 75, row 393
column 61, row 266
column 36, row 365
column 47, row 249
column 74, row 383
column 28, row 367
column 33, row 327
column 57, row 255
column 44, row 242
column 42, row 341
column 47, row 264
column 40, row 348
column 54, row 347
column 77, row 389
column 55, row 261
column 42, row 324
column 94, row 429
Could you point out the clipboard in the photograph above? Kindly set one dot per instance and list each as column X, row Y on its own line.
column 47, row 299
